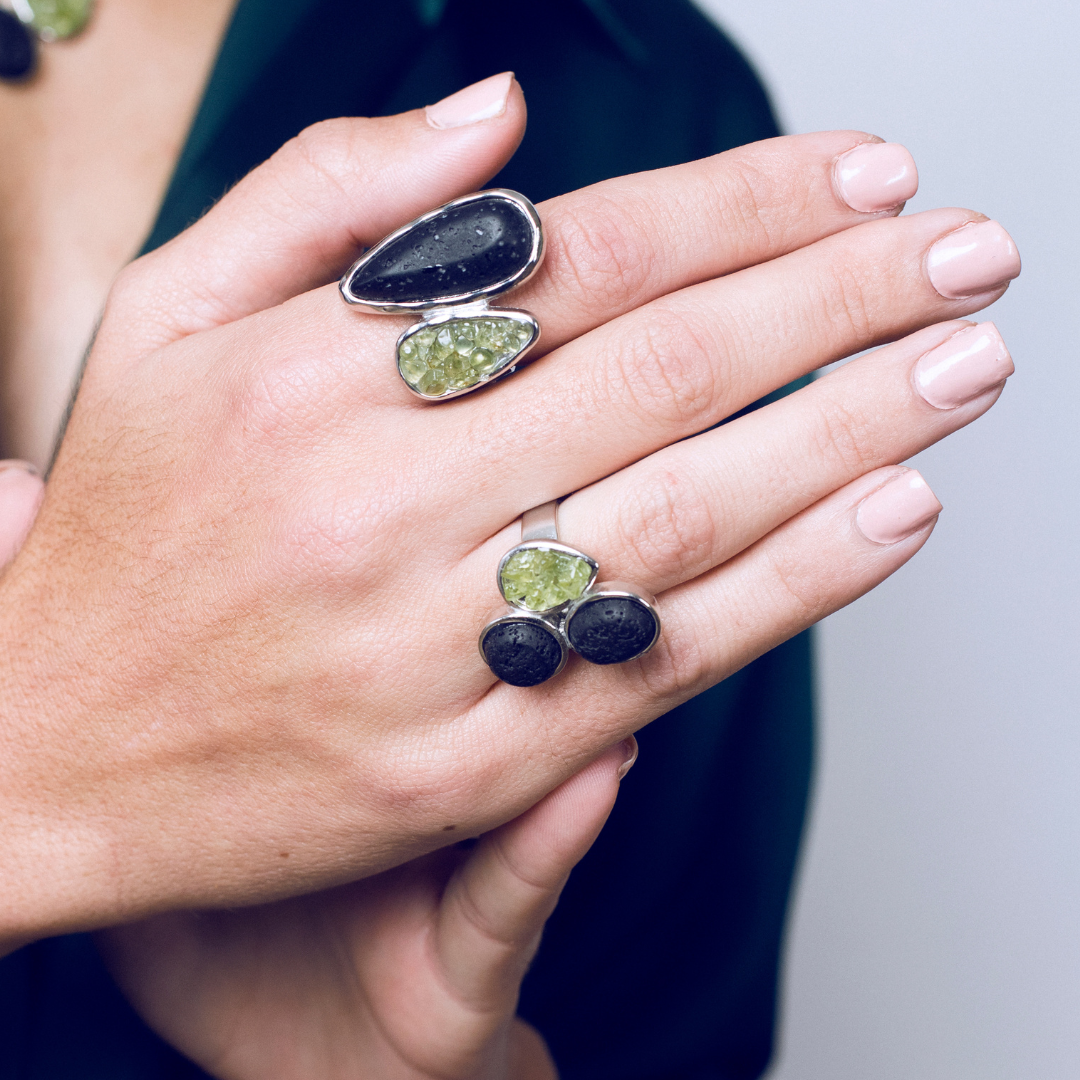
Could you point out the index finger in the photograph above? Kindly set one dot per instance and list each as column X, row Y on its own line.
column 618, row 244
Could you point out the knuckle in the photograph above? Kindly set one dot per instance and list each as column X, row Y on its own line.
column 663, row 369
column 280, row 402
column 678, row 665
column 336, row 538
column 742, row 195
column 799, row 598
column 325, row 154
column 324, row 146
column 844, row 439
column 598, row 245
column 415, row 788
column 846, row 305
column 668, row 527
column 129, row 290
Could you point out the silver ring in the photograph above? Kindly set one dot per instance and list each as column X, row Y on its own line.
column 556, row 604
column 448, row 264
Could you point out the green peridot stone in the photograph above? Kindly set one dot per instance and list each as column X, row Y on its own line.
column 457, row 354
column 56, row 19
column 539, row 579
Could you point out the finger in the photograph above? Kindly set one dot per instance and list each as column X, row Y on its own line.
column 495, row 906
column 698, row 503
column 619, row 244
column 298, row 220
column 812, row 565
column 624, row 242
column 21, row 490
column 528, row 1057
column 684, row 362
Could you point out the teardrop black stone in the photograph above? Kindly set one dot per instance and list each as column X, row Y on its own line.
column 522, row 652
column 468, row 247
column 18, row 49
column 611, row 629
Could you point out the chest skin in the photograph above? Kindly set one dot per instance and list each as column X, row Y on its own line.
column 87, row 148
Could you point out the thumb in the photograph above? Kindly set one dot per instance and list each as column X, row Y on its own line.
column 21, row 490
column 298, row 220
column 495, row 906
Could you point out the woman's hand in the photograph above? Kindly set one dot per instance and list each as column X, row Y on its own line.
column 411, row 974
column 239, row 645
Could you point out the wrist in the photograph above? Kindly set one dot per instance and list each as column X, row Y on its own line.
column 58, row 862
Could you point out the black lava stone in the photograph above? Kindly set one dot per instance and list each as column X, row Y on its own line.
column 523, row 652
column 465, row 248
column 17, row 52
column 611, row 629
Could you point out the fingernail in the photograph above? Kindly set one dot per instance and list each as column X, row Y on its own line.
column 898, row 510
column 481, row 101
column 977, row 257
column 21, row 466
column 876, row 176
column 964, row 367
column 630, row 749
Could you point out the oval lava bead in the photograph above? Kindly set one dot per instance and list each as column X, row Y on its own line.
column 522, row 651
column 612, row 629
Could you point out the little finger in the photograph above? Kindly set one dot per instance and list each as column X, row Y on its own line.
column 812, row 565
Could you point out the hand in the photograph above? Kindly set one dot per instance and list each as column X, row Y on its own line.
column 240, row 641
column 411, row 974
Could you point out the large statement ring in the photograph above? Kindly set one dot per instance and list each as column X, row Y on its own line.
column 448, row 264
column 556, row 604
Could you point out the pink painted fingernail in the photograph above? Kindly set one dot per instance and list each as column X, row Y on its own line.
column 898, row 510
column 630, row 749
column 978, row 257
column 481, row 101
column 964, row 367
column 876, row 176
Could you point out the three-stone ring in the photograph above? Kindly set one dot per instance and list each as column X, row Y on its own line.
column 556, row 604
column 447, row 265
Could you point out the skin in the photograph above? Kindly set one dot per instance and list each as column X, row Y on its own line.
column 254, row 538
column 85, row 165
column 408, row 975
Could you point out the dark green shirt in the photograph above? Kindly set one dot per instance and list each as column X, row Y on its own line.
column 660, row 961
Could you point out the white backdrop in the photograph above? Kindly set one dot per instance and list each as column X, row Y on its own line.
column 936, row 929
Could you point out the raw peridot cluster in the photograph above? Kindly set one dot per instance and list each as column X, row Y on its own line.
column 57, row 19
column 457, row 354
column 539, row 579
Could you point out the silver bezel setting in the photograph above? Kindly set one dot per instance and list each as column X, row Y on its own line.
column 546, row 545
column 472, row 311
column 519, row 615
column 619, row 589
column 536, row 257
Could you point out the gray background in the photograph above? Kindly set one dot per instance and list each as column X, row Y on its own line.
column 936, row 928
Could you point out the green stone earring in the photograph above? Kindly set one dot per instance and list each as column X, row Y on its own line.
column 447, row 265
column 27, row 21
column 54, row 20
